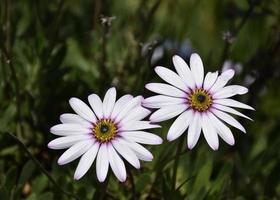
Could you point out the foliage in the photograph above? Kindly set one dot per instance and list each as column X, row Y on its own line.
column 53, row 50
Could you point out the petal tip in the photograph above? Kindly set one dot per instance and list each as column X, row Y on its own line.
column 77, row 177
column 122, row 179
column 190, row 146
column 50, row 145
column 60, row 162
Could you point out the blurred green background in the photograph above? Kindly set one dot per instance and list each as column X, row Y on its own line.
column 53, row 50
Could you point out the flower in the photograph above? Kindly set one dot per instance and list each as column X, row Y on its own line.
column 201, row 103
column 110, row 130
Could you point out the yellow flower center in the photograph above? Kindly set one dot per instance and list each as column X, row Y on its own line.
column 200, row 100
column 104, row 130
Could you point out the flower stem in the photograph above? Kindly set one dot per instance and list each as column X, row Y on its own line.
column 42, row 168
column 176, row 163
column 101, row 194
column 131, row 178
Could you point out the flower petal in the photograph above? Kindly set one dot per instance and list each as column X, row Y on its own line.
column 69, row 129
column 102, row 163
column 141, row 152
column 168, row 112
column 209, row 132
column 184, row 71
column 96, row 105
column 109, row 102
column 136, row 114
column 137, row 125
column 82, row 109
column 74, row 152
column 136, row 101
column 116, row 164
column 126, row 153
column 230, row 91
column 209, row 80
column 194, row 130
column 228, row 119
column 120, row 104
column 171, row 77
column 141, row 137
column 222, row 80
column 230, row 110
column 86, row 161
column 197, row 69
column 159, row 101
column 165, row 89
column 69, row 118
column 68, row 141
column 222, row 129
column 232, row 103
column 179, row 125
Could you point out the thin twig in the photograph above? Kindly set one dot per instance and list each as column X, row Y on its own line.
column 51, row 179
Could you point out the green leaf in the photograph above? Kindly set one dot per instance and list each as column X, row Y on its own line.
column 26, row 172
column 39, row 184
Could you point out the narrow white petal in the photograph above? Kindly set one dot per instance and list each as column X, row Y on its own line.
column 232, row 103
column 222, row 129
column 168, row 112
column 109, row 102
column 74, row 152
column 184, row 71
column 197, row 69
column 228, row 119
column 194, row 130
column 137, row 113
column 209, row 80
column 137, row 125
column 69, row 129
column 171, row 77
column 179, row 125
column 141, row 137
column 82, row 109
column 222, row 80
column 96, row 105
column 159, row 101
column 230, row 91
column 141, row 152
column 86, row 161
column 69, row 118
column 120, row 104
column 209, row 132
column 102, row 163
column 126, row 153
column 230, row 110
column 136, row 101
column 68, row 141
column 165, row 89
column 116, row 164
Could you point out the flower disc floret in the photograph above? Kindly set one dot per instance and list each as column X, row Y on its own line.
column 200, row 100
column 105, row 130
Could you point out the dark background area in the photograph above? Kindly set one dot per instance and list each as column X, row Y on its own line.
column 51, row 51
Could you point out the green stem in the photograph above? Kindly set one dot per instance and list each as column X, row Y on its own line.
column 176, row 163
column 101, row 195
column 51, row 179
column 133, row 192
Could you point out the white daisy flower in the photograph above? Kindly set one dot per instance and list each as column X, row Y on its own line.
column 110, row 131
column 201, row 103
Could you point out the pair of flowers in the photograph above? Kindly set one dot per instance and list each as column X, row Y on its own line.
column 113, row 130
